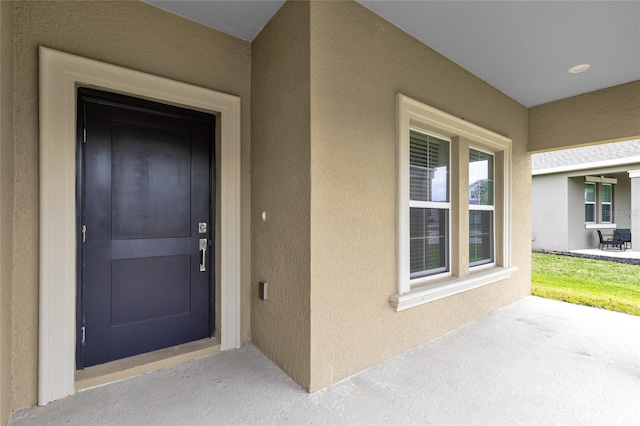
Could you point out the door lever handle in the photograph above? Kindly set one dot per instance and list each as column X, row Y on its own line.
column 203, row 249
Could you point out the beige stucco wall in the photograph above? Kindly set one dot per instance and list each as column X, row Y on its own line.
column 280, row 185
column 6, row 204
column 130, row 34
column 358, row 64
column 607, row 115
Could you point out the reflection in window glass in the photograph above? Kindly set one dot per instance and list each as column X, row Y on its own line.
column 481, row 208
column 429, row 168
column 480, row 237
column 480, row 178
column 429, row 241
column 607, row 196
column 590, row 192
column 429, row 204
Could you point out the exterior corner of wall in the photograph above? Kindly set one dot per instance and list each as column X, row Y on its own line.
column 280, row 189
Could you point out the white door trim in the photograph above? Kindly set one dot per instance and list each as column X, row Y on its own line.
column 60, row 74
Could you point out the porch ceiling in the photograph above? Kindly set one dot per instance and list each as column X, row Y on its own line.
column 523, row 48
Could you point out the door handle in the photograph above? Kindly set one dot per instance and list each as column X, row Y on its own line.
column 203, row 249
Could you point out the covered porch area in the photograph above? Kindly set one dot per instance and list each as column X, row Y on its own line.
column 535, row 361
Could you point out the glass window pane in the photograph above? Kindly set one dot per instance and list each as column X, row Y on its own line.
column 589, row 212
column 606, row 193
column 429, row 241
column 429, row 168
column 590, row 192
column 480, row 178
column 480, row 237
column 606, row 212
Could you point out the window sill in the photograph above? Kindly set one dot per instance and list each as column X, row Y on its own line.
column 600, row 225
column 429, row 293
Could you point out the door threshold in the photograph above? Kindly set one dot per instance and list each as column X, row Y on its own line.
column 121, row 369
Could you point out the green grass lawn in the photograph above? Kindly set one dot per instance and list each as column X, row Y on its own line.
column 598, row 283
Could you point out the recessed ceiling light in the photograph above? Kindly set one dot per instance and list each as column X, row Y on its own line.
column 579, row 68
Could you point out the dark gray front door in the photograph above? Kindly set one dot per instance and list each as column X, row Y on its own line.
column 146, row 181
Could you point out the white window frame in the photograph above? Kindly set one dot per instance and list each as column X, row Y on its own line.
column 491, row 208
column 598, row 182
column 412, row 114
column 591, row 203
column 606, row 203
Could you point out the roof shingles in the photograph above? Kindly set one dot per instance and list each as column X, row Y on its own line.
column 586, row 154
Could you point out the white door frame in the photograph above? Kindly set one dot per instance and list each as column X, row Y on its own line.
column 60, row 75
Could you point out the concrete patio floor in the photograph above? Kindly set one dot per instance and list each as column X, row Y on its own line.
column 535, row 361
column 625, row 254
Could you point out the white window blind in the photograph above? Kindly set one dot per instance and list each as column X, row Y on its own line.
column 429, row 159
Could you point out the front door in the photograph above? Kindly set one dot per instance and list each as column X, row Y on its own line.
column 145, row 185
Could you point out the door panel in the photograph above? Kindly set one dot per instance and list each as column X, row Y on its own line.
column 147, row 185
column 161, row 288
column 150, row 166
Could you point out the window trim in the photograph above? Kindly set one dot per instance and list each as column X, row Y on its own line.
column 412, row 114
column 598, row 182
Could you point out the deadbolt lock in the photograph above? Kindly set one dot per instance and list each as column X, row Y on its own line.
column 202, row 228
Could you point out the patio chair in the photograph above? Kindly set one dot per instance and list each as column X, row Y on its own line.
column 624, row 234
column 610, row 242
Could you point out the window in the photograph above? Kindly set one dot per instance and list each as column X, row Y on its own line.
column 605, row 202
column 453, row 206
column 481, row 208
column 598, row 202
column 429, row 204
column 589, row 202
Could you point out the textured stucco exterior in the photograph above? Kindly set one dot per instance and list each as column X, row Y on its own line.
column 280, row 185
column 318, row 89
column 358, row 63
column 6, row 206
column 606, row 115
column 136, row 36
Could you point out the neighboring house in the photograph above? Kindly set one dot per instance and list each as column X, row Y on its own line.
column 315, row 122
column 577, row 191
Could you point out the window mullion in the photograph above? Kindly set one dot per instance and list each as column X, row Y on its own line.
column 459, row 208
